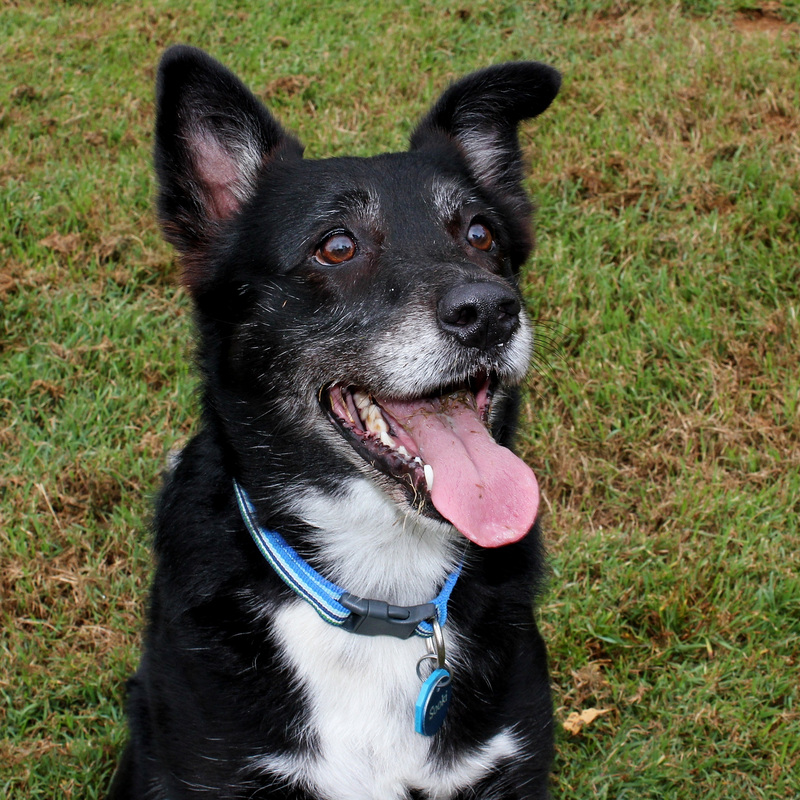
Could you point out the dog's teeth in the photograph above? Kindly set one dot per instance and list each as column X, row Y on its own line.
column 375, row 421
column 428, row 470
column 362, row 400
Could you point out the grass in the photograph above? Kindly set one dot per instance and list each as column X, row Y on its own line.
column 662, row 418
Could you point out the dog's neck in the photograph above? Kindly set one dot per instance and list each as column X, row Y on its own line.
column 368, row 546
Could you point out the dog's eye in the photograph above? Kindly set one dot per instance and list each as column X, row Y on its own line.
column 336, row 249
column 479, row 236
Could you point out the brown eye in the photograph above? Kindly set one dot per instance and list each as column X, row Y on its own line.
column 336, row 249
column 479, row 236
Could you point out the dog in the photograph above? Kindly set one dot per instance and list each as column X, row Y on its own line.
column 347, row 551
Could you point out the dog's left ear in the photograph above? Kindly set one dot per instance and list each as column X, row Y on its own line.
column 480, row 114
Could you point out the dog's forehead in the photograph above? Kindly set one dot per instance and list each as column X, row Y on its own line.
column 411, row 178
column 391, row 187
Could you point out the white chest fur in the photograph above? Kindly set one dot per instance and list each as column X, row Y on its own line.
column 361, row 693
column 361, row 690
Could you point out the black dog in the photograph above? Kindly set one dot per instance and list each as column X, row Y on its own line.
column 347, row 550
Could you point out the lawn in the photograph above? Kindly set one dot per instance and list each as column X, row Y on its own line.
column 662, row 414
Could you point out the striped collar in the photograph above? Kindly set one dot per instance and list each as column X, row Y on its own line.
column 335, row 605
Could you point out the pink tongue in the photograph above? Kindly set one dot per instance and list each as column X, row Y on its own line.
column 488, row 493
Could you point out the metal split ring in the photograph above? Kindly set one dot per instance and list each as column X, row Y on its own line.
column 436, row 651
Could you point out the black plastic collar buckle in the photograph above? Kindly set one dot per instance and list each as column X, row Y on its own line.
column 377, row 618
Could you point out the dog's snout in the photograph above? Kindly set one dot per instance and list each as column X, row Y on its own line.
column 479, row 314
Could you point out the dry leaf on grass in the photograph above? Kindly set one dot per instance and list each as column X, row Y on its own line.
column 8, row 285
column 577, row 721
column 65, row 244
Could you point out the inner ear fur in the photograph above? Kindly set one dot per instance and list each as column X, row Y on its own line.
column 213, row 139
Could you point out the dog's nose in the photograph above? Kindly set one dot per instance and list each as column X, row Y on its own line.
column 481, row 314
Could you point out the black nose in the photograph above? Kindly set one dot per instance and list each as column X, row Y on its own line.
column 482, row 314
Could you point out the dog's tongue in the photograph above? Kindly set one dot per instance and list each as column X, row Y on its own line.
column 488, row 493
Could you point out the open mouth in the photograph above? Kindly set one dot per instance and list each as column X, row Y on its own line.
column 440, row 449
column 381, row 437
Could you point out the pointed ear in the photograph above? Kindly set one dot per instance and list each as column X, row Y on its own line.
column 213, row 138
column 480, row 114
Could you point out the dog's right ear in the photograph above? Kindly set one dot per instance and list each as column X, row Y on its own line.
column 213, row 138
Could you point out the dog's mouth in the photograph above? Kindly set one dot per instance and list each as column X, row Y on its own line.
column 439, row 448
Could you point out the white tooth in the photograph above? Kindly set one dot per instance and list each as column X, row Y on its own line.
column 361, row 399
column 387, row 440
column 404, row 452
column 428, row 470
column 418, row 460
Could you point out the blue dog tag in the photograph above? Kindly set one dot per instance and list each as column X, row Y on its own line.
column 432, row 702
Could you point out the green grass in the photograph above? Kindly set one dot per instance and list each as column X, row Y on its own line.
column 662, row 419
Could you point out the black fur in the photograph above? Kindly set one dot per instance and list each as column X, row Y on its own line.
column 276, row 327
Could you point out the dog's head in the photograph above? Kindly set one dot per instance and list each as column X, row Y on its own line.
column 365, row 310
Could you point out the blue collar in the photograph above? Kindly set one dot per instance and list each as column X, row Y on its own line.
column 334, row 604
